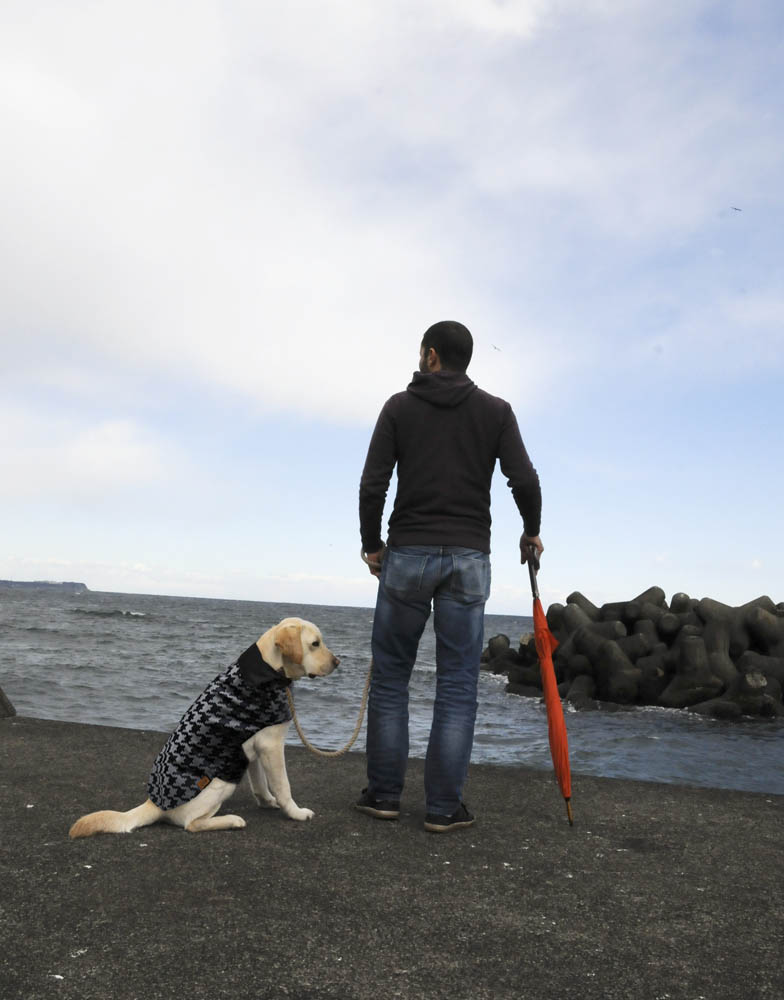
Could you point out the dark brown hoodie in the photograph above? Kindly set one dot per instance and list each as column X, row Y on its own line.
column 445, row 434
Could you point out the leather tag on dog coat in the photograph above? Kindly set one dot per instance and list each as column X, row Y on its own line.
column 202, row 783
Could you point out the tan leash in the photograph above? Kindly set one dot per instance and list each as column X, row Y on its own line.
column 332, row 753
column 305, row 741
column 375, row 565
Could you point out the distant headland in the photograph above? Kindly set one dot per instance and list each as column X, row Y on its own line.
column 69, row 587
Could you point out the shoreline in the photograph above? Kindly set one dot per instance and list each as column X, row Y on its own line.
column 660, row 724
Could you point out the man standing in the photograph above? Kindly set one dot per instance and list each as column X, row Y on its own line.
column 444, row 434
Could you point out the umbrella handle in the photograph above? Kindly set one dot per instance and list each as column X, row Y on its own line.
column 532, row 561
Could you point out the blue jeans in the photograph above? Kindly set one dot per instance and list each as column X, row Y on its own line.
column 457, row 581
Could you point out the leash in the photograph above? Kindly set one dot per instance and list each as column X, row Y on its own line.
column 332, row 753
column 374, row 565
column 305, row 741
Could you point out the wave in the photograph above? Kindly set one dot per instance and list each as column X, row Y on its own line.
column 30, row 629
column 108, row 613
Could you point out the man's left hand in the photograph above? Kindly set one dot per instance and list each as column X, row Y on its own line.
column 530, row 542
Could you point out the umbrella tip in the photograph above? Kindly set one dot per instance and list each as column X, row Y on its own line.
column 569, row 812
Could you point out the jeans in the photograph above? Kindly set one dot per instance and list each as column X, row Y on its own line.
column 457, row 581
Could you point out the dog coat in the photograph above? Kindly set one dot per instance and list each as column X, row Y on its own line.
column 207, row 743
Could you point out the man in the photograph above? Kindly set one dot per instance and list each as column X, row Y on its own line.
column 444, row 434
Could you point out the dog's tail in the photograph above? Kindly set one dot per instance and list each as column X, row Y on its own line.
column 109, row 821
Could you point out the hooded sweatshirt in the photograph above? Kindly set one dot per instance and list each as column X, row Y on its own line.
column 445, row 435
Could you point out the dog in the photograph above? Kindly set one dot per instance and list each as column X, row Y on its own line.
column 237, row 725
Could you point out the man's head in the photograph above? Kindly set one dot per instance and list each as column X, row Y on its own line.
column 451, row 345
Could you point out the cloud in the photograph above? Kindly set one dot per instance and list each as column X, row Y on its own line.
column 121, row 576
column 46, row 457
column 158, row 577
column 274, row 203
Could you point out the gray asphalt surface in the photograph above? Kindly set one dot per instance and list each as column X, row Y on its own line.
column 658, row 892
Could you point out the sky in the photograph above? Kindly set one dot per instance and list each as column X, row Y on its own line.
column 226, row 226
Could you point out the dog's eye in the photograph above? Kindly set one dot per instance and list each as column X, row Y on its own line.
column 316, row 643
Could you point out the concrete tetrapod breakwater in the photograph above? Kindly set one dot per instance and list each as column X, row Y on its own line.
column 701, row 655
column 6, row 708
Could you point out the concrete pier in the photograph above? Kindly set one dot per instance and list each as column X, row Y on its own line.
column 658, row 891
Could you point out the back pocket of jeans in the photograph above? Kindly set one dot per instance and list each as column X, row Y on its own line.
column 403, row 572
column 471, row 576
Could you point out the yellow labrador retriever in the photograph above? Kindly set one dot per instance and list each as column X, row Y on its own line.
column 237, row 724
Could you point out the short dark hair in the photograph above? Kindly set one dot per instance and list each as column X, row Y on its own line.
column 452, row 342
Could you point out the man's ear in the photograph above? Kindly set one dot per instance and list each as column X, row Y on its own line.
column 289, row 642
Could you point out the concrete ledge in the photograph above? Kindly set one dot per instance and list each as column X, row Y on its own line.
column 656, row 891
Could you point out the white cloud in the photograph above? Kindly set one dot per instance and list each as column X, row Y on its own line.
column 122, row 576
column 732, row 333
column 156, row 577
column 114, row 453
column 45, row 457
column 267, row 204
column 267, row 199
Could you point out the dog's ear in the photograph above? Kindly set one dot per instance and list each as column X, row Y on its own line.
column 289, row 642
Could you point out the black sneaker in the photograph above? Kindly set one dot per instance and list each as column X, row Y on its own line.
column 443, row 824
column 379, row 808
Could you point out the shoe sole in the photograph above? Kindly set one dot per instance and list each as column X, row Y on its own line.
column 378, row 813
column 437, row 828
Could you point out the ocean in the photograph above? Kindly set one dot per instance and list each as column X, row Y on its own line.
column 137, row 661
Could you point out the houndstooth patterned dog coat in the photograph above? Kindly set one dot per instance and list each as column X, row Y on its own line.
column 207, row 743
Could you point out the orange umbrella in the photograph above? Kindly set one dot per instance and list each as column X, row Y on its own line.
column 556, row 725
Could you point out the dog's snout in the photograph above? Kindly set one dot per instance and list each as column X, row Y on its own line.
column 335, row 661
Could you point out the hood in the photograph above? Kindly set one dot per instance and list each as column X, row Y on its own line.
column 445, row 389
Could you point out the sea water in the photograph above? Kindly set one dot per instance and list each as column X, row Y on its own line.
column 139, row 660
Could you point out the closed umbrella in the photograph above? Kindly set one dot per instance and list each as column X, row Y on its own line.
column 556, row 724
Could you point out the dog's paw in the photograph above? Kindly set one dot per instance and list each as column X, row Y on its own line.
column 270, row 803
column 235, row 823
column 300, row 814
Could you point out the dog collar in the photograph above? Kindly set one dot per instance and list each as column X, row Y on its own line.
column 255, row 670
